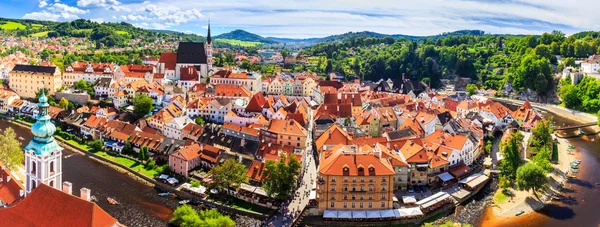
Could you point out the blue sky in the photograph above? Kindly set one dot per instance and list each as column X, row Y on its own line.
column 319, row 18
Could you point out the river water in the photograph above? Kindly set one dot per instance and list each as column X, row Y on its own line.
column 139, row 205
column 580, row 202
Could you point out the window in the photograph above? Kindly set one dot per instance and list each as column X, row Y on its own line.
column 345, row 187
column 362, row 188
column 382, row 204
column 371, row 187
column 383, row 179
column 345, row 205
column 370, row 204
column 382, row 195
column 353, row 196
column 332, row 204
column 332, row 195
column 362, row 179
column 383, row 187
column 353, row 205
column 370, row 196
column 345, row 196
column 361, row 205
column 345, row 178
column 354, row 179
column 371, row 179
column 362, row 197
column 332, row 179
column 332, row 187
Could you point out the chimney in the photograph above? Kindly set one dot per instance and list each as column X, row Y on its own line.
column 67, row 187
column 412, row 142
column 422, row 119
column 85, row 194
column 202, row 147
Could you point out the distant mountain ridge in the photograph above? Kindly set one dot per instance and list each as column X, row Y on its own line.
column 242, row 35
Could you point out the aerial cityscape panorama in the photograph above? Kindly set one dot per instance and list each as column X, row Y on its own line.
column 194, row 113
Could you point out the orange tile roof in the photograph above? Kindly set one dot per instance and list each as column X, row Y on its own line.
column 414, row 153
column 149, row 140
column 230, row 90
column 256, row 170
column 413, row 124
column 451, row 140
column 189, row 74
column 163, row 115
column 287, row 127
column 189, row 152
column 334, row 135
column 64, row 209
column 9, row 190
column 339, row 159
column 392, row 157
column 170, row 60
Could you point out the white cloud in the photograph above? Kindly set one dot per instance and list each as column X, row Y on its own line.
column 62, row 8
column 42, row 16
column 42, row 4
column 97, row 20
column 97, row 3
column 134, row 18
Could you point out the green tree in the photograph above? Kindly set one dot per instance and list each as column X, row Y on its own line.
column 534, row 72
column 488, row 147
column 541, row 136
column 230, row 174
column 38, row 93
column 143, row 155
column 127, row 148
column 11, row 154
column 182, row 214
column 96, row 145
column 542, row 159
column 142, row 104
column 531, row 177
column 199, row 121
column 281, row 176
column 471, row 89
column 64, row 103
column 512, row 158
column 570, row 95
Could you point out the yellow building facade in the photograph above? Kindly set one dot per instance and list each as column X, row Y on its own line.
column 26, row 80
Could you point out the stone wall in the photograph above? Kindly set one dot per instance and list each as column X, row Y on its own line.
column 79, row 98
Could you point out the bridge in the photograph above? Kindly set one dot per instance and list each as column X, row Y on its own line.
column 575, row 126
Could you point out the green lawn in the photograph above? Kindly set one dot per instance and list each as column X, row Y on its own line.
column 40, row 34
column 135, row 165
column 240, row 43
column 122, row 33
column 9, row 25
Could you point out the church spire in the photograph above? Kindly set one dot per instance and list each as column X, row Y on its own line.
column 208, row 38
column 43, row 143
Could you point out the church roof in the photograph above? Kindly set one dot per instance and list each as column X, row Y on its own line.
column 191, row 53
column 46, row 206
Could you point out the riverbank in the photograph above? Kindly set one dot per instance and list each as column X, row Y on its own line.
column 142, row 178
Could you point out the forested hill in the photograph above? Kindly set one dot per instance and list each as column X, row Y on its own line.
column 492, row 61
column 104, row 34
column 244, row 36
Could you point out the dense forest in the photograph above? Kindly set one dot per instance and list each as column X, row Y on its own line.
column 526, row 62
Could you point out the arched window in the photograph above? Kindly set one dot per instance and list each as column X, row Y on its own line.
column 52, row 167
column 33, row 185
column 51, row 183
column 33, row 167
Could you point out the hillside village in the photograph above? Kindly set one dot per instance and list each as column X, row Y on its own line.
column 393, row 137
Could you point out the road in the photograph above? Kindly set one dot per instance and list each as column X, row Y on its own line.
column 309, row 173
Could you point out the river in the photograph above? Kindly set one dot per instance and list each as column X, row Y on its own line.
column 581, row 201
column 139, row 205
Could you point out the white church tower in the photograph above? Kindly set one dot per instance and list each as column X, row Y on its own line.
column 209, row 59
column 43, row 163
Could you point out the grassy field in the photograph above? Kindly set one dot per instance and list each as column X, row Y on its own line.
column 122, row 33
column 9, row 25
column 240, row 43
column 40, row 34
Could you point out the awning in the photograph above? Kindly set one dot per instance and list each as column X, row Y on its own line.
column 409, row 212
column 387, row 213
column 330, row 214
column 487, row 162
column 409, row 199
column 344, row 214
column 445, row 176
column 163, row 176
column 359, row 214
column 432, row 200
column 423, row 165
column 373, row 214
column 474, row 180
